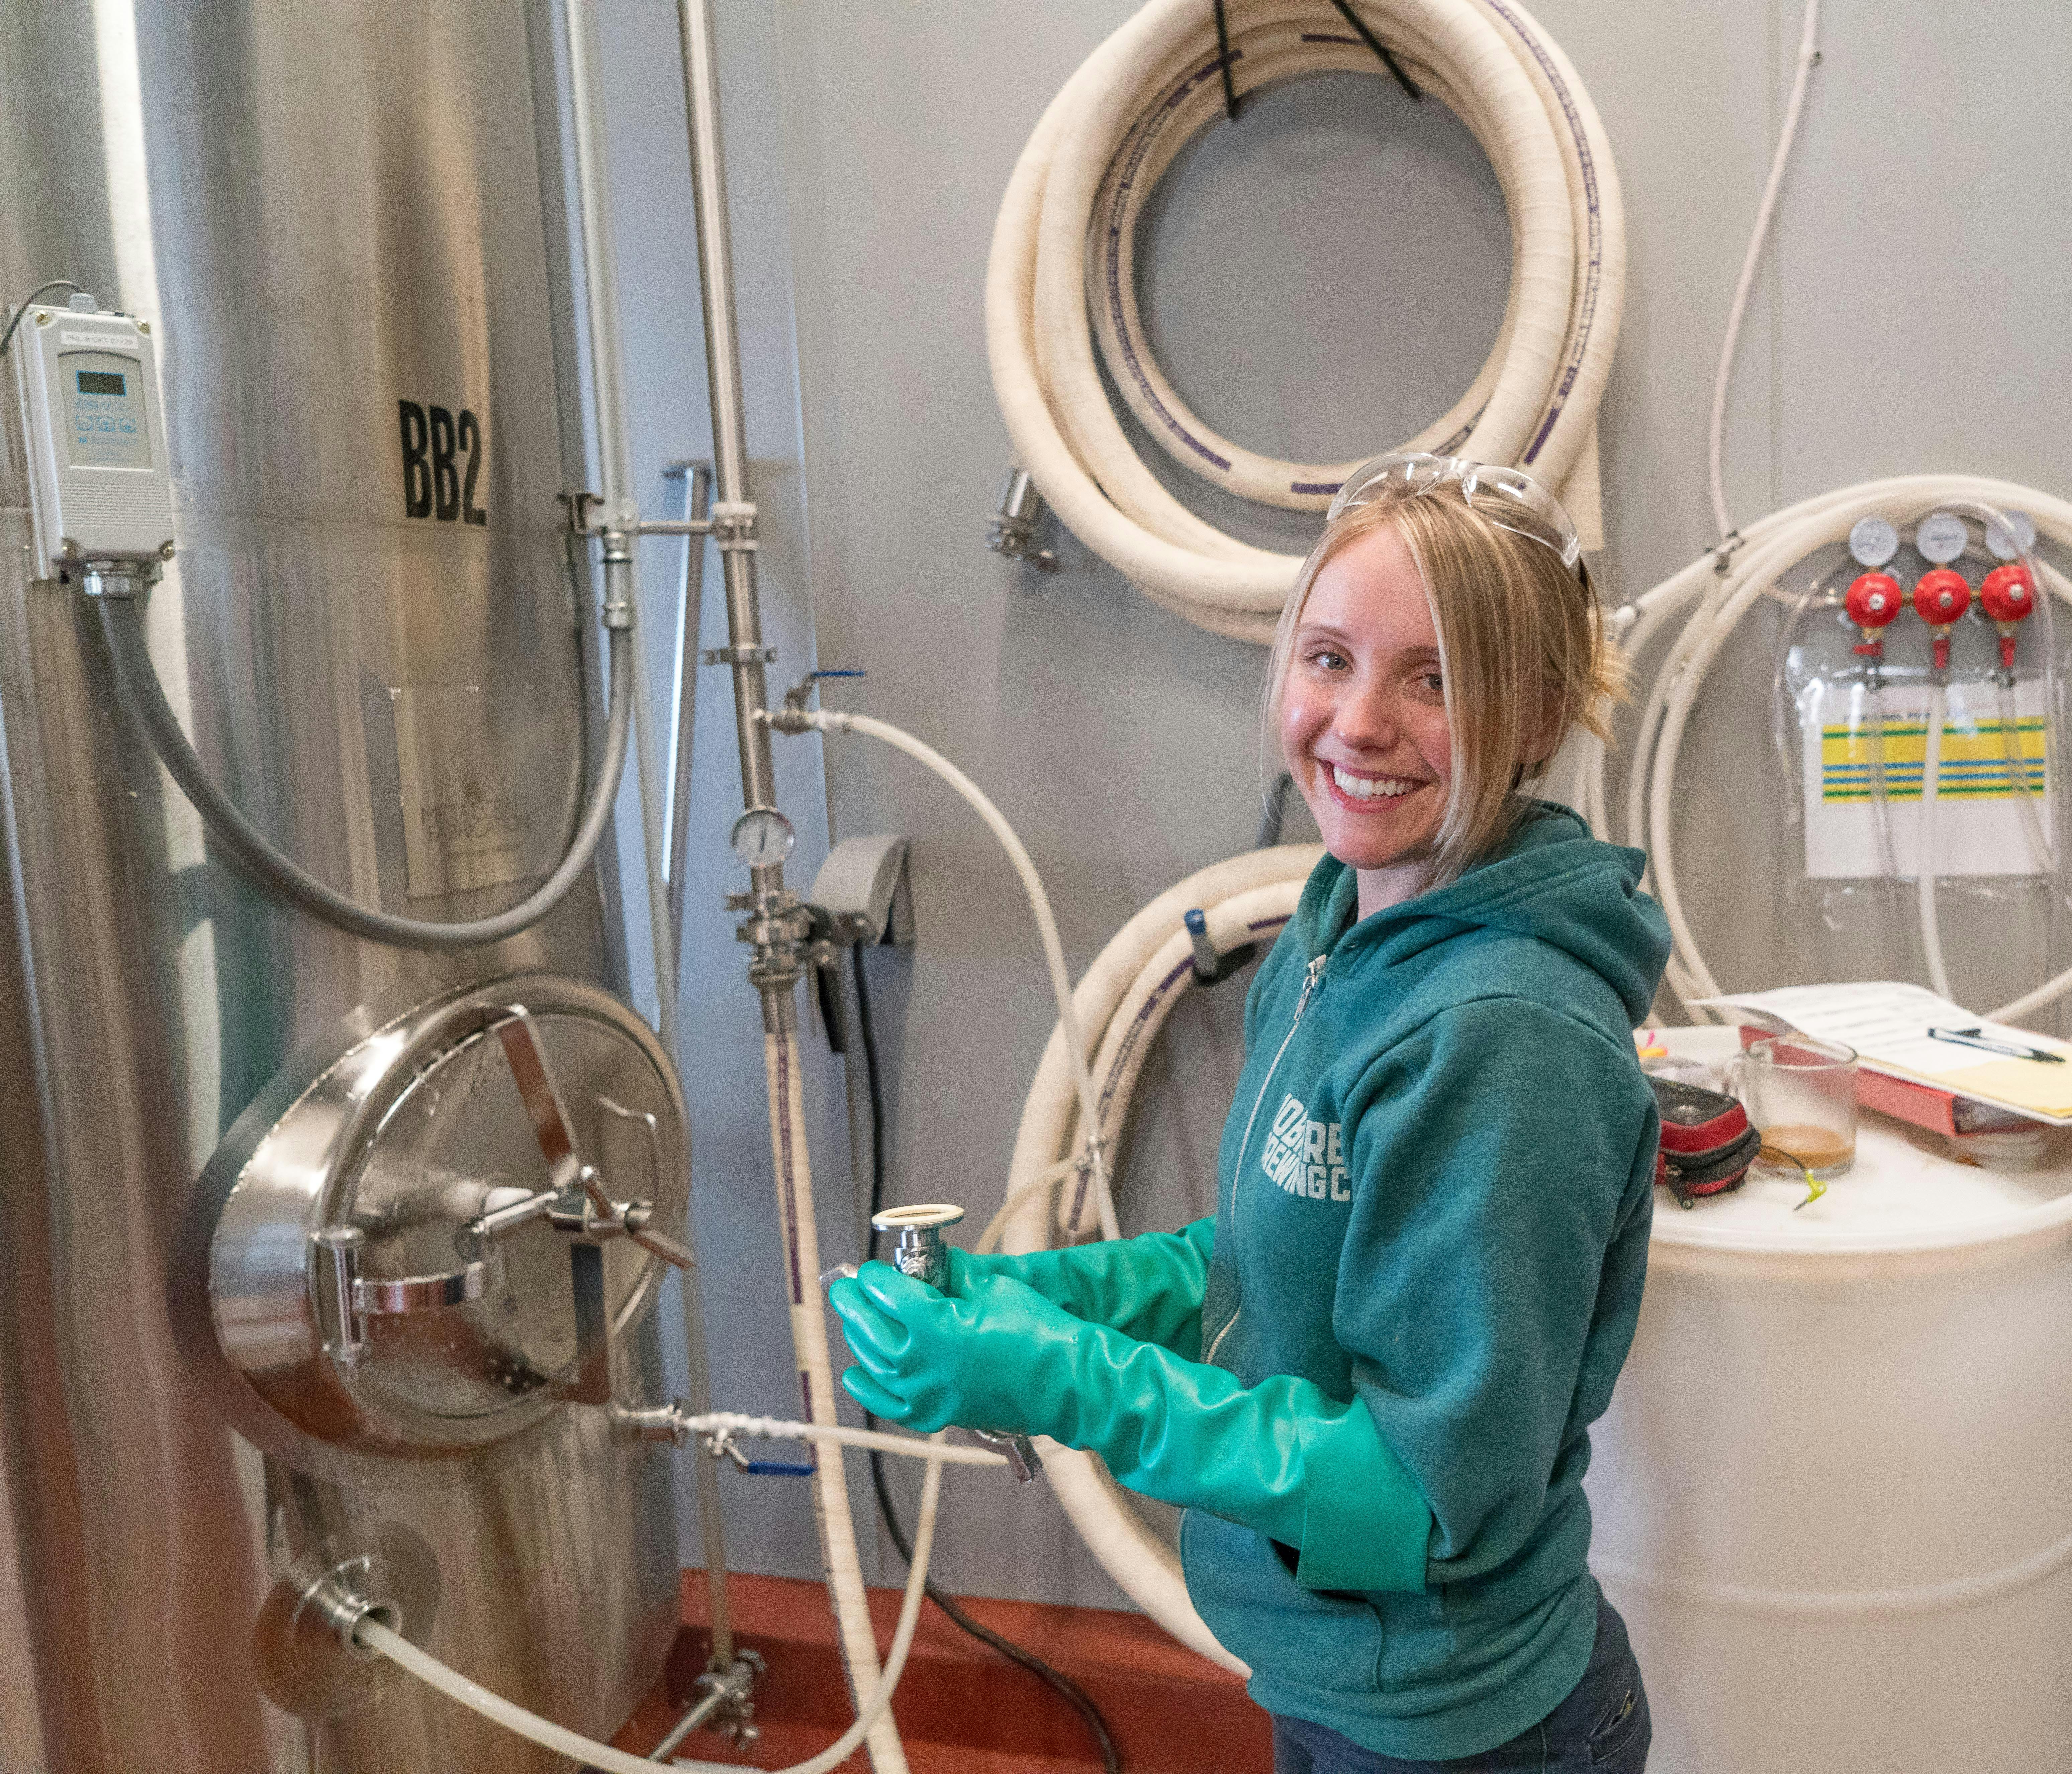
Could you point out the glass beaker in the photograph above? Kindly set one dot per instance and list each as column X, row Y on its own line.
column 1800, row 1093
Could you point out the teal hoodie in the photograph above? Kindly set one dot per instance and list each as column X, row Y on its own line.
column 1436, row 1186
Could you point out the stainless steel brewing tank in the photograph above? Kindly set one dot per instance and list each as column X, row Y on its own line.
column 335, row 213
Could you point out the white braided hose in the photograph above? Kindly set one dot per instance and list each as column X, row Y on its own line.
column 375, row 1637
column 1710, row 604
column 1065, row 240
column 1122, row 1002
column 817, row 1392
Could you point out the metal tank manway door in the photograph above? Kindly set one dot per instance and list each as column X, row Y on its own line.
column 428, row 1234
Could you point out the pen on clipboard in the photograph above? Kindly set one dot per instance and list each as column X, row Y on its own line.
column 1972, row 1038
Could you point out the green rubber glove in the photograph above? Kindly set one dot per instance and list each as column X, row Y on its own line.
column 1281, row 1457
column 1148, row 1287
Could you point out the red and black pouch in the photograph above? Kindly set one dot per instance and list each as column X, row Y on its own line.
column 1706, row 1143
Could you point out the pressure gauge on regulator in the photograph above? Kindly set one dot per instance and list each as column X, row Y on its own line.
column 762, row 837
column 1941, row 537
column 2006, row 547
column 1873, row 541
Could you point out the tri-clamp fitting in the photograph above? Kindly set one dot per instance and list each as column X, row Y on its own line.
column 918, row 1250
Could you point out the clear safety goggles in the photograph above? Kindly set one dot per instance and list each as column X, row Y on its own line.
column 1498, row 493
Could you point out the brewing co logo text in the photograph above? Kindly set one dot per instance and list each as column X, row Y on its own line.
column 1306, row 1157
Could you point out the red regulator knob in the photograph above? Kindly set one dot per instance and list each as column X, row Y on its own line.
column 1874, row 599
column 1941, row 597
column 2008, row 595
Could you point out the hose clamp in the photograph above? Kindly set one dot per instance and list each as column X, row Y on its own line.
column 1723, row 552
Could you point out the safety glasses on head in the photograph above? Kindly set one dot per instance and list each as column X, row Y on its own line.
column 1499, row 494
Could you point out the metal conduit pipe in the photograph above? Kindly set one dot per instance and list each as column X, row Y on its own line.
column 621, row 569
column 777, row 924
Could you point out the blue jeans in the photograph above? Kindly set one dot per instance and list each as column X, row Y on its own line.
column 1602, row 1728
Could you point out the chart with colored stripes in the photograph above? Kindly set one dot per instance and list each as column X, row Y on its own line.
column 1995, row 788
column 1980, row 759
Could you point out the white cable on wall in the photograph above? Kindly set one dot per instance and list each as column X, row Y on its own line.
column 1060, row 283
column 1715, row 433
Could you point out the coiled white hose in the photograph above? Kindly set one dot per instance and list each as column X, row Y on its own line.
column 1710, row 604
column 871, row 1715
column 1123, row 1000
column 1065, row 238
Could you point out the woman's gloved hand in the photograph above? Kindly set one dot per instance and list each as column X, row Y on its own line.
column 1282, row 1456
column 997, row 1355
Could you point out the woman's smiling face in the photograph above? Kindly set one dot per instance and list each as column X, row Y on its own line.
column 1363, row 716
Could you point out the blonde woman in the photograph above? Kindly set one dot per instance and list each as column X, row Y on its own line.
column 1369, row 1380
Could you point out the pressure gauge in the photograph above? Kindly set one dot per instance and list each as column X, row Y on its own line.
column 1873, row 541
column 1941, row 537
column 762, row 837
column 2005, row 546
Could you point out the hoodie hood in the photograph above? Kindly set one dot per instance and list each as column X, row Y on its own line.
column 1551, row 881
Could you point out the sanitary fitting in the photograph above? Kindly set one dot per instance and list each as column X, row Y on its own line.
column 639, row 1424
column 1012, row 532
column 343, row 1610
column 918, row 1250
column 724, row 1705
column 734, row 525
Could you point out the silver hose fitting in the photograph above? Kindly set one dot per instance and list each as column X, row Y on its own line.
column 1013, row 530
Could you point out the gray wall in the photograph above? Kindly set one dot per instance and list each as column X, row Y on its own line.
column 1322, row 277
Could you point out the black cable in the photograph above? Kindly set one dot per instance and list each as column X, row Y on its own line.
column 21, row 308
column 1223, row 51
column 1075, row 1695
column 1380, row 48
column 877, row 1092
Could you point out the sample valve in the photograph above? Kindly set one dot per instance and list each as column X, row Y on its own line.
column 2008, row 596
column 1941, row 597
column 918, row 1250
column 1874, row 599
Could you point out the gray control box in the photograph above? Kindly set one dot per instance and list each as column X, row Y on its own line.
column 97, row 439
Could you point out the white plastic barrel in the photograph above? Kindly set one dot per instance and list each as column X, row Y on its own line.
column 1833, row 1494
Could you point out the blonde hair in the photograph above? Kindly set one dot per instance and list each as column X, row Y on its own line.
column 1522, row 646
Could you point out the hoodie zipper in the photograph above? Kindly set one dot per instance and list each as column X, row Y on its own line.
column 1310, row 982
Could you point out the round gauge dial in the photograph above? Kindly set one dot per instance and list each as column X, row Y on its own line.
column 2005, row 546
column 1941, row 537
column 1873, row 541
column 762, row 837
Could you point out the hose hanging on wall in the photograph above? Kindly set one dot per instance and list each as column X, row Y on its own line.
column 1061, row 281
column 1122, row 1001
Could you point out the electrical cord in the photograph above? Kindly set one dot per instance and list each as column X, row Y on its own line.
column 22, row 307
column 1074, row 1695
column 138, row 680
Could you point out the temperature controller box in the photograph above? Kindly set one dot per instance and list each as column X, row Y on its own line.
column 97, row 441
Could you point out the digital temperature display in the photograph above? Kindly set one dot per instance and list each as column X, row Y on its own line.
column 102, row 382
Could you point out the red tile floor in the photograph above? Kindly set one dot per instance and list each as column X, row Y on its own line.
column 963, row 1709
